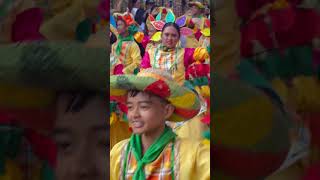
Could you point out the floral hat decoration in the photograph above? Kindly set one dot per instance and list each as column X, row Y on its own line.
column 160, row 83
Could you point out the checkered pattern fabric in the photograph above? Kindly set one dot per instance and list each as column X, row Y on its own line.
column 160, row 169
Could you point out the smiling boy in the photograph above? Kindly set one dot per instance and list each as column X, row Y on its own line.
column 80, row 134
column 154, row 151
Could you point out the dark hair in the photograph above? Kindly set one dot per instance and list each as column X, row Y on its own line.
column 78, row 100
column 173, row 25
column 134, row 93
column 133, row 1
column 113, row 38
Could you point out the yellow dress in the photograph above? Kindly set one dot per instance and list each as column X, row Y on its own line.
column 191, row 162
column 130, row 56
column 192, row 129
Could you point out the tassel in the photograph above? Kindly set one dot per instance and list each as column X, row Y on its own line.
column 138, row 36
column 113, row 118
column 207, row 135
column 205, row 91
column 206, row 142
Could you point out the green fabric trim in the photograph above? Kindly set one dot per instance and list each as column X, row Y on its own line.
column 153, row 152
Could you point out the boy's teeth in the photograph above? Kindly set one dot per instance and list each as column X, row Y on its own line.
column 137, row 124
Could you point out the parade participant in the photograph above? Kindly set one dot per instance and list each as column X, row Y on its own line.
column 153, row 33
column 80, row 136
column 152, row 97
column 197, row 13
column 168, row 56
column 125, row 53
column 56, row 126
column 125, row 58
column 195, row 20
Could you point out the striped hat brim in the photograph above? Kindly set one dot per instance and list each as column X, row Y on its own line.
column 186, row 102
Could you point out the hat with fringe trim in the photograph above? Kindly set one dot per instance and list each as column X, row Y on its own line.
column 158, row 82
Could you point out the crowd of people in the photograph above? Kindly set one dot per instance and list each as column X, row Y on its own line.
column 159, row 93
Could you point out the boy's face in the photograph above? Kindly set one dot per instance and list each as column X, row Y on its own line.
column 121, row 26
column 82, row 141
column 146, row 113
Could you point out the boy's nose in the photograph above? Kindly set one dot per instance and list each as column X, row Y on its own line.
column 136, row 113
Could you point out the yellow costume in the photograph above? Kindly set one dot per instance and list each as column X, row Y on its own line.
column 191, row 129
column 192, row 160
column 130, row 56
column 169, row 156
column 174, row 60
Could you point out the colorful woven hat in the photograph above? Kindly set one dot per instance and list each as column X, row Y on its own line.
column 53, row 65
column 160, row 83
column 126, row 17
column 196, row 3
column 238, row 116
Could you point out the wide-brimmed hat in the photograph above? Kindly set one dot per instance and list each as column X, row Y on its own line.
column 160, row 83
column 33, row 74
column 196, row 3
column 54, row 65
column 128, row 18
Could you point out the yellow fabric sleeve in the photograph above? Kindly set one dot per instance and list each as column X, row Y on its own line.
column 195, row 160
column 115, row 159
column 200, row 54
column 135, row 58
column 192, row 129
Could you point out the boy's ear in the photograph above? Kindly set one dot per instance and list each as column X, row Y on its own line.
column 169, row 109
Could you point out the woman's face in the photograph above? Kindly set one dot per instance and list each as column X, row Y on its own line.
column 121, row 27
column 170, row 37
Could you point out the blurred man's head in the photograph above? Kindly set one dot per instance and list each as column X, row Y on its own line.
column 80, row 133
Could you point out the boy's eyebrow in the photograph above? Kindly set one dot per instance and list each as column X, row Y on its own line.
column 59, row 130
column 147, row 101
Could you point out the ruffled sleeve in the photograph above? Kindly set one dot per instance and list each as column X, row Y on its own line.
column 197, row 55
column 115, row 160
column 196, row 160
column 134, row 52
column 145, row 41
column 202, row 165
column 188, row 56
column 145, row 63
